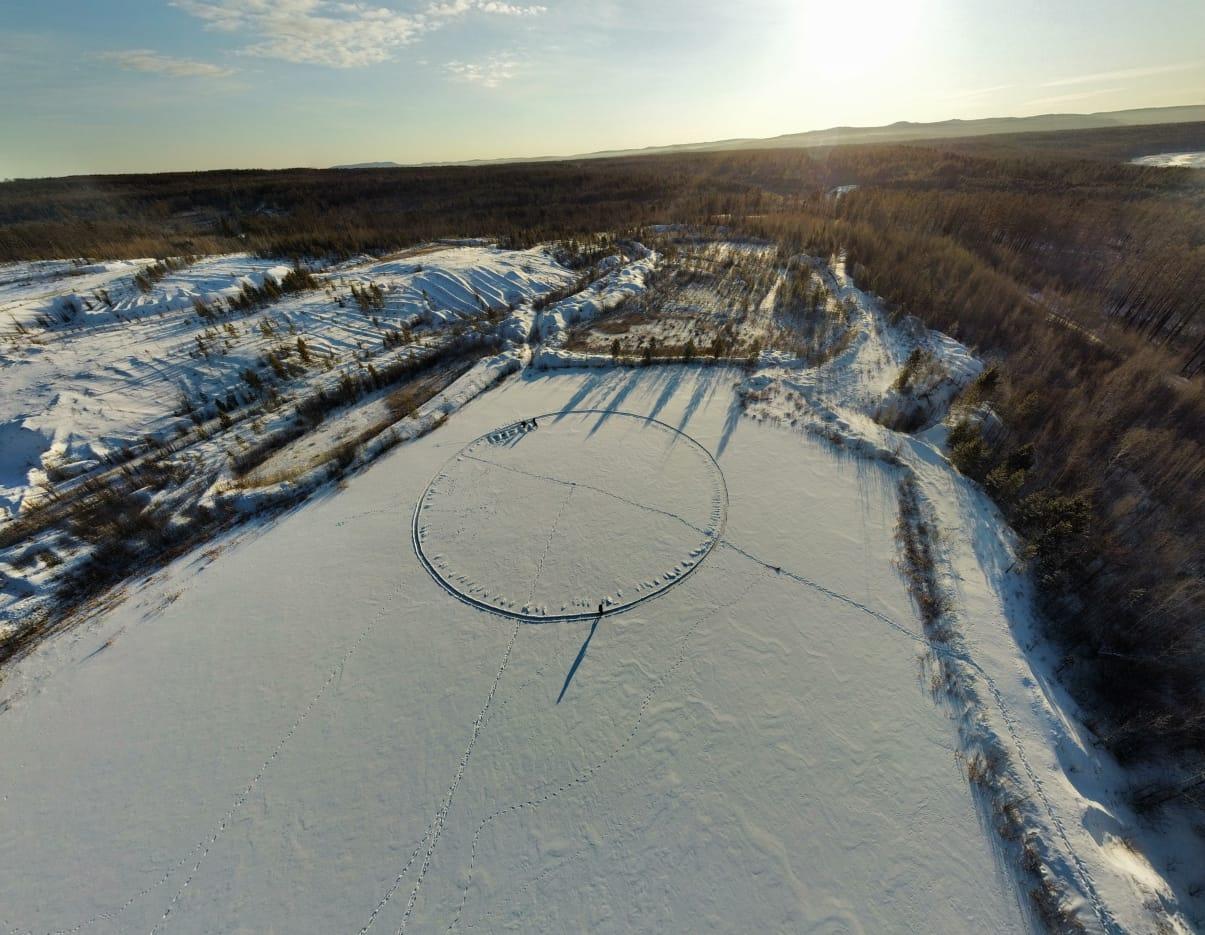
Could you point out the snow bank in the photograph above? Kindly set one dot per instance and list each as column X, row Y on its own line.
column 441, row 286
column 607, row 293
column 556, row 358
column 21, row 451
column 483, row 375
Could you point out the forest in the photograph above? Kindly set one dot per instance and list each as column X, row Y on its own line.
column 1078, row 277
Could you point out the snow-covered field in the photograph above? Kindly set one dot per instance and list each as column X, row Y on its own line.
column 372, row 713
column 1189, row 160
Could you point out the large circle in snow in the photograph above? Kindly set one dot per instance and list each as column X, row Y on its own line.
column 589, row 507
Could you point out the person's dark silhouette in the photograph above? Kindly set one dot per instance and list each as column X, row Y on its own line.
column 600, row 608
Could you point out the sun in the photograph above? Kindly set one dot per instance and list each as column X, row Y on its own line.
column 855, row 38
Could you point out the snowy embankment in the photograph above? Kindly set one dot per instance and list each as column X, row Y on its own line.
column 430, row 415
column 622, row 282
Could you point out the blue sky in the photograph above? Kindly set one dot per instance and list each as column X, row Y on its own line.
column 118, row 85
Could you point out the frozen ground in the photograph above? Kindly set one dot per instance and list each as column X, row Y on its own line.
column 307, row 727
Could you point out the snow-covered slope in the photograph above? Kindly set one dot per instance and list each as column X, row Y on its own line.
column 1189, row 160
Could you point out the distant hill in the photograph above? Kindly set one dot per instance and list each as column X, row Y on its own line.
column 904, row 131
column 900, row 132
column 371, row 165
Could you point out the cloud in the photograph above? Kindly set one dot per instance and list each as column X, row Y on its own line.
column 1078, row 96
column 151, row 61
column 510, row 9
column 1124, row 73
column 334, row 33
column 318, row 32
column 450, row 8
column 978, row 92
column 488, row 74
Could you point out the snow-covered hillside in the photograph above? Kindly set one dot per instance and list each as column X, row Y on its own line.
column 210, row 362
column 397, row 709
column 100, row 380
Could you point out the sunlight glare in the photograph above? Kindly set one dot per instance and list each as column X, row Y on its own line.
column 856, row 37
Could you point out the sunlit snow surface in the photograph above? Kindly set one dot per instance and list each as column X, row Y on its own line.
column 309, row 729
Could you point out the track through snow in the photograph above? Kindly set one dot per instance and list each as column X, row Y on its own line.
column 204, row 846
column 437, row 823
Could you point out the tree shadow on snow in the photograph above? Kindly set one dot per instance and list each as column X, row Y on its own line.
column 731, row 420
column 613, row 404
column 705, row 387
column 672, row 380
column 589, row 385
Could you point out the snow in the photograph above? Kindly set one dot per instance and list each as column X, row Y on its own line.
column 483, row 375
column 21, row 451
column 1075, row 795
column 311, row 725
column 1195, row 160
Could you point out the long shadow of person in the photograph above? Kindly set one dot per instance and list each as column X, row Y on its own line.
column 581, row 654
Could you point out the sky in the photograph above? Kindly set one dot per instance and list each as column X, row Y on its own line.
column 91, row 86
